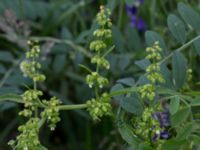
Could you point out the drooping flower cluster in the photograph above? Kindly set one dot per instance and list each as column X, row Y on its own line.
column 100, row 106
column 51, row 112
column 28, row 139
column 136, row 22
column 153, row 72
column 30, row 67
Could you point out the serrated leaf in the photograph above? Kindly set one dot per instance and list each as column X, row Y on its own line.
column 177, row 28
column 174, row 105
column 151, row 37
column 132, row 105
column 126, row 81
column 180, row 116
column 190, row 16
column 185, row 131
column 179, row 69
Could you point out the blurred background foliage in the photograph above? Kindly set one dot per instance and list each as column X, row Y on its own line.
column 64, row 29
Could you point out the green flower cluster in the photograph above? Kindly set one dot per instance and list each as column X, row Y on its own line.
column 99, row 107
column 95, row 79
column 145, row 123
column 102, row 35
column 51, row 112
column 28, row 139
column 153, row 72
column 30, row 99
column 30, row 66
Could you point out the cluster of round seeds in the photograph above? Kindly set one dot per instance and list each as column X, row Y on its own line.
column 51, row 112
column 28, row 137
column 30, row 99
column 99, row 107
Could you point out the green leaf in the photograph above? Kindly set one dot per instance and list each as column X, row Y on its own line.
column 197, row 46
column 172, row 144
column 126, row 81
column 195, row 139
column 11, row 97
column 195, row 102
column 143, row 64
column 180, row 116
column 174, row 105
column 151, row 37
column 132, row 105
column 59, row 63
column 127, row 134
column 145, row 146
column 177, row 28
column 179, row 69
column 117, row 87
column 185, row 131
column 130, row 2
column 6, row 56
column 190, row 16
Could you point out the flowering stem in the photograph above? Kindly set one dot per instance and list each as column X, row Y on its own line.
column 71, row 107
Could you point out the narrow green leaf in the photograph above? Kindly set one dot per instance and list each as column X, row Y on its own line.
column 179, row 69
column 177, row 28
column 174, row 105
column 11, row 97
column 185, row 131
column 195, row 102
column 180, row 116
column 190, row 16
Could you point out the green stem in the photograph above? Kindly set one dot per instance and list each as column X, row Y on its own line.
column 121, row 10
column 72, row 107
column 42, row 121
column 123, row 91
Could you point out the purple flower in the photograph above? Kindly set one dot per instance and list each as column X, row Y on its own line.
column 163, row 118
column 138, row 23
column 135, row 21
column 164, row 135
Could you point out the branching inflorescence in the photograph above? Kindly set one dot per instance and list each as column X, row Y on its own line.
column 100, row 105
column 38, row 110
